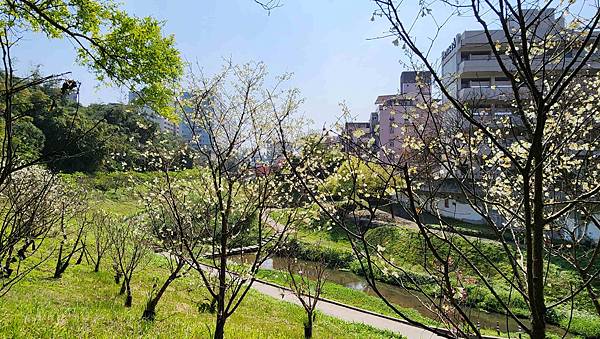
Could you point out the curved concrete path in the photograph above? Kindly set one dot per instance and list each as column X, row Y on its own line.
column 348, row 313
column 341, row 311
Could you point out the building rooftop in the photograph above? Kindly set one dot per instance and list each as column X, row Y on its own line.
column 383, row 99
column 411, row 76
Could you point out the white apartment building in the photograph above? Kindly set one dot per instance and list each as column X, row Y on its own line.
column 472, row 74
column 471, row 70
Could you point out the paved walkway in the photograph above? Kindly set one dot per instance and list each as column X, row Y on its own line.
column 340, row 311
column 343, row 312
column 348, row 314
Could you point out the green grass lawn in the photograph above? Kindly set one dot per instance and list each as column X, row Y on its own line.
column 87, row 304
column 401, row 243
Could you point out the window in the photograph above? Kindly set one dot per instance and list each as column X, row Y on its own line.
column 475, row 55
column 475, row 83
column 479, row 55
column 403, row 102
column 446, row 203
column 502, row 82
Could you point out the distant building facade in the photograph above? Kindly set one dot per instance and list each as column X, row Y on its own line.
column 189, row 130
column 187, row 126
column 164, row 124
column 399, row 116
column 396, row 119
column 357, row 137
column 471, row 74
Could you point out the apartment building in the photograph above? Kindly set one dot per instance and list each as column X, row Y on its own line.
column 398, row 116
column 472, row 73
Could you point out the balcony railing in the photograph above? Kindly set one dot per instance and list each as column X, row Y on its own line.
column 487, row 93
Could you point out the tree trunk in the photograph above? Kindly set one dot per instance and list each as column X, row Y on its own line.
column 536, row 289
column 57, row 270
column 123, row 287
column 221, row 316
column 308, row 326
column 60, row 270
column 97, row 268
column 80, row 256
column 150, row 310
column 220, row 328
column 7, row 269
column 129, row 297
column 594, row 298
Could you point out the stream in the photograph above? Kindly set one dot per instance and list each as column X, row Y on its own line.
column 398, row 295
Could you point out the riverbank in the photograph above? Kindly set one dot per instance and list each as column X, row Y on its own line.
column 350, row 289
column 403, row 245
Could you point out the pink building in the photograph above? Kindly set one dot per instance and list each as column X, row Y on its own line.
column 398, row 114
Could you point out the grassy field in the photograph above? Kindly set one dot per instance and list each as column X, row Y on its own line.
column 401, row 243
column 86, row 304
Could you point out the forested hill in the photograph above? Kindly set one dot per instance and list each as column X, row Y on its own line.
column 50, row 126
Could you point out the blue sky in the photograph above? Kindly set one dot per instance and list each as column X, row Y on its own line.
column 324, row 43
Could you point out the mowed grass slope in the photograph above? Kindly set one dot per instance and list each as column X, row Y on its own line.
column 86, row 304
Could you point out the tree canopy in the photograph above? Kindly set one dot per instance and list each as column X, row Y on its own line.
column 120, row 49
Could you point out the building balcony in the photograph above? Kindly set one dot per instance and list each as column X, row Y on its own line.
column 487, row 93
column 490, row 65
column 483, row 65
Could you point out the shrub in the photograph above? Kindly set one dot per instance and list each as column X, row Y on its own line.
column 584, row 324
column 307, row 251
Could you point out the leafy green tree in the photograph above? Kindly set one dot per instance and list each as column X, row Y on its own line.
column 74, row 144
column 119, row 48
column 29, row 139
column 331, row 154
column 358, row 180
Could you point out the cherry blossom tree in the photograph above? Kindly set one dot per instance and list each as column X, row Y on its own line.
column 531, row 175
column 223, row 208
